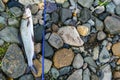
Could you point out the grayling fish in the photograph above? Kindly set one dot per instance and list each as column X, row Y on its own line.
column 27, row 35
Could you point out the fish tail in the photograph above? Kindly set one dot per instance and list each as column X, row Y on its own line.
column 33, row 69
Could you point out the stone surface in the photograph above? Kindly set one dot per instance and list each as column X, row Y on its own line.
column 70, row 36
column 116, row 49
column 86, row 74
column 55, row 73
column 37, row 48
column 78, row 61
column 116, row 74
column 99, row 9
column 27, row 2
column 2, row 22
column 60, row 1
column 9, row 34
column 63, row 57
column 117, row 9
column 27, row 77
column 13, row 22
column 111, row 21
column 110, row 7
column 1, row 42
column 64, row 70
column 65, row 4
column 86, row 3
column 116, row 2
column 17, row 12
column 83, row 30
column 50, row 7
column 99, row 24
column 76, row 75
column 95, row 53
column 13, row 63
column 118, row 62
column 55, row 40
column 55, row 17
column 2, row 77
column 55, row 28
column 94, row 77
column 2, row 6
column 101, row 35
column 34, row 8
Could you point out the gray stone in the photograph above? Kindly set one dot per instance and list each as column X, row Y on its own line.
column 78, row 61
column 2, row 77
column 64, row 70
column 47, row 35
column 117, row 2
column 101, row 35
column 65, row 16
column 90, row 61
column 55, row 73
column 86, row 74
column 111, row 21
column 13, row 63
column 2, row 6
column 65, row 4
column 3, row 21
column 55, row 40
column 48, row 50
column 95, row 53
column 110, row 7
column 77, row 75
column 47, row 17
column 55, row 17
column 99, row 24
column 17, row 12
column 13, row 22
column 1, row 42
column 51, row 7
column 86, row 3
column 117, row 9
column 104, row 56
column 91, row 22
column 34, row 8
column 9, row 34
column 94, row 77
column 99, row 9
column 27, row 77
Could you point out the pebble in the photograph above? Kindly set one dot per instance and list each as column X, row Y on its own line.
column 2, row 6
column 47, row 35
column 83, row 30
column 63, row 57
column 27, row 77
column 116, row 49
column 111, row 21
column 86, row 74
column 37, row 48
column 99, row 24
column 2, row 21
column 1, row 42
column 116, row 74
column 17, row 12
column 86, row 3
column 2, row 77
column 109, row 45
column 9, row 34
column 101, row 35
column 104, row 56
column 117, row 2
column 65, row 4
column 95, row 53
column 99, row 9
column 103, row 15
column 41, row 5
column 76, row 75
column 64, row 70
column 70, row 36
column 78, row 61
column 47, row 17
column 27, row 2
column 110, row 7
column 118, row 62
column 94, row 77
column 13, row 63
column 60, row 1
column 55, row 73
column 34, row 8
column 55, row 17
column 13, row 22
column 55, row 28
column 91, row 22
column 5, row 1
column 50, row 7
column 117, row 10
column 55, row 40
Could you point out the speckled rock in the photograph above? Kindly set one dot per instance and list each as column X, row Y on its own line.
column 116, row 49
column 83, row 30
column 99, row 24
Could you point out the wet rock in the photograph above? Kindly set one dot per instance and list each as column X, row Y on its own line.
column 111, row 21
column 78, row 61
column 55, row 73
column 86, row 74
column 50, row 7
column 17, row 12
column 117, row 2
column 13, row 63
column 116, row 74
column 34, row 8
column 55, row 40
column 65, row 16
column 99, row 9
column 83, row 30
column 110, row 7
column 95, row 53
column 64, row 70
column 86, row 3
column 63, row 57
column 101, row 35
column 13, row 22
column 27, row 77
column 9, row 34
column 117, row 9
column 48, row 50
column 2, row 77
column 60, row 1
column 99, row 25
column 27, row 2
column 116, row 49
column 2, row 6
column 1, row 42
column 37, row 48
column 55, row 17
column 70, row 36
column 76, row 75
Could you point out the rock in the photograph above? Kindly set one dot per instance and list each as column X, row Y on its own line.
column 110, row 7
column 76, row 75
column 55, row 17
column 117, row 2
column 106, row 73
column 47, row 36
column 86, row 74
column 17, row 12
column 27, row 2
column 78, row 61
column 101, row 35
column 90, row 61
column 65, row 16
column 86, row 3
column 41, row 5
column 95, row 53
column 85, row 15
column 63, row 57
column 34, row 8
column 60, row 1
column 91, row 22
column 2, row 6
column 116, row 75
column 55, row 40
column 116, row 49
column 13, row 63
column 2, row 77
column 99, row 9
column 118, row 62
column 1, row 42
column 2, row 22
column 13, row 22
column 50, row 7
column 70, row 36
column 103, row 15
column 47, row 17
column 5, row 1
column 55, row 73
column 83, row 30
column 70, row 22
column 111, row 21
column 48, row 50
column 27, row 77
column 64, row 70
column 55, row 28
column 99, row 25
column 38, row 66
column 65, row 4
column 117, row 9
column 104, row 56
column 37, row 48
column 94, row 77
column 9, row 34
column 109, row 45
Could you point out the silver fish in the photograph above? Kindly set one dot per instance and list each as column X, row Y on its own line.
column 27, row 35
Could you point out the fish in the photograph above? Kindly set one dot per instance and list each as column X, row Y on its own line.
column 27, row 35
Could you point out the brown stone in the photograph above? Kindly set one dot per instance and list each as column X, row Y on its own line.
column 83, row 30
column 55, row 28
column 116, row 49
column 41, row 5
column 63, row 57
column 37, row 48
column 118, row 62
column 5, row 1
column 116, row 74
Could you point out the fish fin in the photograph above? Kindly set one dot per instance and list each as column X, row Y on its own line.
column 33, row 69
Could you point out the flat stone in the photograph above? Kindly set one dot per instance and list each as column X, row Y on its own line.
column 70, row 36
column 13, row 63
column 110, row 7
column 111, row 21
column 9, row 34
column 3, row 22
column 37, row 48
column 77, row 75
column 55, row 40
column 86, row 3
column 41, row 5
column 2, row 6
column 34, row 8
column 116, row 49
column 63, row 57
column 60, row 1
column 83, row 30
column 27, row 2
column 117, row 2
column 64, row 70
column 50, row 7
column 86, row 74
column 99, row 25
column 116, row 74
column 17, row 12
column 99, row 9
column 101, row 35
column 78, row 61
column 13, row 22
column 95, row 53
column 55, row 17
column 27, row 77
column 1, row 42
column 65, row 4
column 55, row 73
column 117, row 9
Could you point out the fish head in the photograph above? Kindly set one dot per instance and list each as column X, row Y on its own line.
column 27, row 13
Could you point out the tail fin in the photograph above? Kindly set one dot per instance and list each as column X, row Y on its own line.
column 32, row 68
